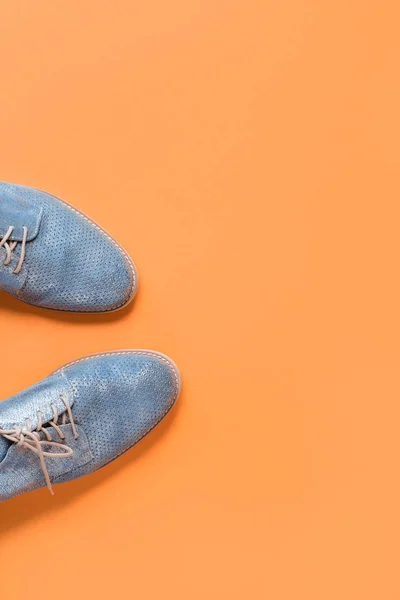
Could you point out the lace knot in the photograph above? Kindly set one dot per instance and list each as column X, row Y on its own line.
column 25, row 437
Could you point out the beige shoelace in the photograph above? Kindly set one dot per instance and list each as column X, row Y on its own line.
column 9, row 246
column 25, row 437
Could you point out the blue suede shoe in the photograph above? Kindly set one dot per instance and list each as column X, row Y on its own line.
column 82, row 417
column 53, row 256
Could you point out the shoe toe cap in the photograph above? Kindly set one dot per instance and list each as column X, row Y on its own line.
column 73, row 264
column 120, row 396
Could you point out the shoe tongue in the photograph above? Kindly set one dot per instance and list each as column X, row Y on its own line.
column 40, row 398
column 17, row 212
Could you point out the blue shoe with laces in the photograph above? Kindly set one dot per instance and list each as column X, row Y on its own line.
column 82, row 417
column 53, row 256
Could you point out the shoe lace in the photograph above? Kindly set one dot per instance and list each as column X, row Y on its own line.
column 9, row 246
column 30, row 439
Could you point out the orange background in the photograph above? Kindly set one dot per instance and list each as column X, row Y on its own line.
column 247, row 156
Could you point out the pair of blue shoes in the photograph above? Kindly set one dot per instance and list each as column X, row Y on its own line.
column 89, row 412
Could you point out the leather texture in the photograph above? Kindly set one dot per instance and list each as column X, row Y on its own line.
column 70, row 264
column 116, row 398
column 18, row 212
